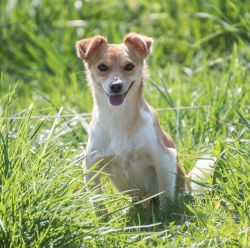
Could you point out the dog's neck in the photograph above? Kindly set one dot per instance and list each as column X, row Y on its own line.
column 125, row 115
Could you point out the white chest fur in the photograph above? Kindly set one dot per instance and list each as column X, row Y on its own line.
column 110, row 135
column 137, row 160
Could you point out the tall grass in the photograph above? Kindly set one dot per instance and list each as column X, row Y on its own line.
column 201, row 57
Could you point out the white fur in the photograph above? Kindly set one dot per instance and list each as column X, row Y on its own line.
column 202, row 170
column 138, row 163
column 127, row 138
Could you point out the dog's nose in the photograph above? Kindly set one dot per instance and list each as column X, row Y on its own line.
column 115, row 87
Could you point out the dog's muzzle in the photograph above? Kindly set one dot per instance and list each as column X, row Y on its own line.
column 116, row 96
column 116, row 86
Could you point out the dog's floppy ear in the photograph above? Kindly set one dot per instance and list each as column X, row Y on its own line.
column 141, row 43
column 87, row 47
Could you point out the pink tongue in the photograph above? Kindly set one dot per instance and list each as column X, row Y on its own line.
column 116, row 100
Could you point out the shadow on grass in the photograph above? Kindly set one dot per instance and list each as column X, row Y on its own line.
column 149, row 212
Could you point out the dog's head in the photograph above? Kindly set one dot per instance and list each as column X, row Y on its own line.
column 115, row 70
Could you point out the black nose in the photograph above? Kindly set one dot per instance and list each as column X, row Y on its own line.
column 115, row 87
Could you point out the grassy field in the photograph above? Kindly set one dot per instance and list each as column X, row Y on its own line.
column 201, row 60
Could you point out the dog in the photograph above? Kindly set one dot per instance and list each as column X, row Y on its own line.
column 125, row 137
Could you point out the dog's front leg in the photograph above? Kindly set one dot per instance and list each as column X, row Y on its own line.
column 93, row 166
column 91, row 175
column 98, row 164
column 166, row 170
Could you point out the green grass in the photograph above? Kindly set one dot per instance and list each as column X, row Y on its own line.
column 201, row 57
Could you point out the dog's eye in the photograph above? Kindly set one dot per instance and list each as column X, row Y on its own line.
column 102, row 67
column 129, row 67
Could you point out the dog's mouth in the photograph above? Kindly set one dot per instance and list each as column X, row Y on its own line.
column 117, row 99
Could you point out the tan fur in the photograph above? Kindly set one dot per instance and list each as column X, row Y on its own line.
column 140, row 156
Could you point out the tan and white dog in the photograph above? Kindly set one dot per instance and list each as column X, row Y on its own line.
column 124, row 132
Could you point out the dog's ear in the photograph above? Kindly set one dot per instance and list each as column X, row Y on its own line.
column 86, row 48
column 141, row 43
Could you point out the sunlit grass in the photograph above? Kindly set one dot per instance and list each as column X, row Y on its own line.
column 200, row 60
